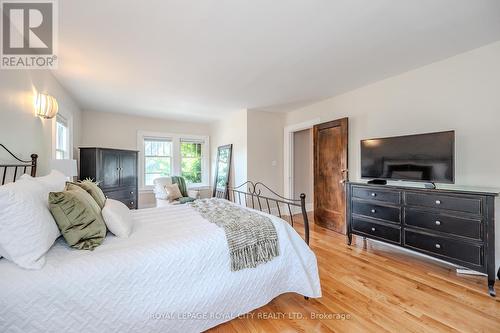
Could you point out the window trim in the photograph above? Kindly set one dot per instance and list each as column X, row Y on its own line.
column 175, row 138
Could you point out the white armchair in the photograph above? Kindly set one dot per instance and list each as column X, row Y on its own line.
column 161, row 194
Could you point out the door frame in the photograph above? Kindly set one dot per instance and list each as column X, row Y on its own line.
column 288, row 189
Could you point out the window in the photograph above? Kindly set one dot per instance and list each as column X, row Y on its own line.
column 62, row 139
column 164, row 155
column 157, row 159
column 191, row 160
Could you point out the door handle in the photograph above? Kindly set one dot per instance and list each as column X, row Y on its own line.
column 344, row 173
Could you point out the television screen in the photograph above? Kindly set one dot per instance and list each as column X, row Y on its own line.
column 422, row 157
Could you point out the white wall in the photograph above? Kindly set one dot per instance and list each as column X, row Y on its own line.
column 20, row 130
column 460, row 93
column 231, row 130
column 265, row 148
column 257, row 139
column 303, row 176
column 114, row 130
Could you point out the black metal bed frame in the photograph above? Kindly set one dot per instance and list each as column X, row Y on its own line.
column 24, row 165
column 249, row 194
column 252, row 197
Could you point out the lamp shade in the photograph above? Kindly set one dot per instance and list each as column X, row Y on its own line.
column 67, row 167
column 46, row 106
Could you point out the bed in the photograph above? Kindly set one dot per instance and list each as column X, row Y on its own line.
column 171, row 275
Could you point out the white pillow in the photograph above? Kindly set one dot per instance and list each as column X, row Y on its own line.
column 27, row 228
column 117, row 218
column 53, row 182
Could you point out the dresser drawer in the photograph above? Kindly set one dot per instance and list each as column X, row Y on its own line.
column 388, row 233
column 125, row 193
column 376, row 194
column 445, row 248
column 444, row 223
column 459, row 204
column 130, row 203
column 368, row 209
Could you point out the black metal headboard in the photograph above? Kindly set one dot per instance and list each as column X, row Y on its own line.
column 23, row 165
column 250, row 195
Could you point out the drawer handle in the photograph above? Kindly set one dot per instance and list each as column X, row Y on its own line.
column 374, row 194
column 131, row 202
column 438, row 246
column 131, row 192
column 438, row 202
column 373, row 211
column 438, row 222
column 373, row 229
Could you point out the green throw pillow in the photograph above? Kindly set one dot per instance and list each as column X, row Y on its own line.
column 93, row 190
column 78, row 217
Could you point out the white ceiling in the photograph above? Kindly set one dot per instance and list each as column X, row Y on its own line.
column 198, row 60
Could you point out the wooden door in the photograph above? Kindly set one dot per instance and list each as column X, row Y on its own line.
column 110, row 168
column 128, row 168
column 330, row 174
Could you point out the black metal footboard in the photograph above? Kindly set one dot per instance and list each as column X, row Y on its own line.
column 259, row 196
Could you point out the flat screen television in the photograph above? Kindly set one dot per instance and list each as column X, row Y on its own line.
column 426, row 157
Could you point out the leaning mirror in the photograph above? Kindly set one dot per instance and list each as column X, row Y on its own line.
column 222, row 171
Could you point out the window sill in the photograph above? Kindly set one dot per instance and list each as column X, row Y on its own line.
column 198, row 187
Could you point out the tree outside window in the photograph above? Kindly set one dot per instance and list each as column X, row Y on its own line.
column 170, row 154
column 191, row 161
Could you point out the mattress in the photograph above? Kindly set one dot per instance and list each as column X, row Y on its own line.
column 172, row 275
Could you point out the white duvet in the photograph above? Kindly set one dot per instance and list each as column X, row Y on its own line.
column 172, row 275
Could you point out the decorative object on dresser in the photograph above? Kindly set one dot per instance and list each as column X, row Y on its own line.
column 115, row 171
column 454, row 225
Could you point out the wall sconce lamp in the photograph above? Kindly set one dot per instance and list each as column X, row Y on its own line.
column 46, row 106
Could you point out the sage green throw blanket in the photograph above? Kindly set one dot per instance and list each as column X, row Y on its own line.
column 183, row 188
column 251, row 237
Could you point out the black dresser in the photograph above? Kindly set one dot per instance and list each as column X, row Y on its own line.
column 453, row 225
column 115, row 170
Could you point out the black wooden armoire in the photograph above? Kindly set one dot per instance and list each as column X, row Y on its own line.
column 115, row 170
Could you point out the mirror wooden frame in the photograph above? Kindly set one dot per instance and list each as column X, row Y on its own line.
column 222, row 192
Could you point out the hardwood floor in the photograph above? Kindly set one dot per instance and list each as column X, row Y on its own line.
column 370, row 287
